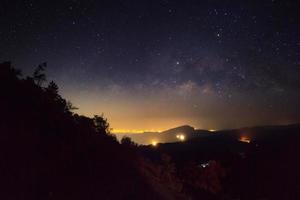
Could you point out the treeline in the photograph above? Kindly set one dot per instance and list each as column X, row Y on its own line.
column 49, row 152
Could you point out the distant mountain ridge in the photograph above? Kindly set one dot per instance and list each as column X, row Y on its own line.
column 190, row 133
column 168, row 136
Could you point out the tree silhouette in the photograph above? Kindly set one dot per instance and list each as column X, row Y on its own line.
column 128, row 142
column 48, row 152
column 52, row 87
column 8, row 73
column 39, row 75
column 70, row 106
column 101, row 124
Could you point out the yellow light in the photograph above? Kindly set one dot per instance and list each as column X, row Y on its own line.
column 212, row 130
column 154, row 143
column 120, row 131
column 180, row 137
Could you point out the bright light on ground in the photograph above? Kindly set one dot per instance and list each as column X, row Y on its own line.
column 180, row 137
column 154, row 143
column 245, row 139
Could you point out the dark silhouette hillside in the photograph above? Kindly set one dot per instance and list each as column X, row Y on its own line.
column 247, row 163
column 49, row 152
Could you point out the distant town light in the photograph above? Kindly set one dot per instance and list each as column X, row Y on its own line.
column 204, row 165
column 212, row 130
column 180, row 137
column 244, row 139
column 154, row 143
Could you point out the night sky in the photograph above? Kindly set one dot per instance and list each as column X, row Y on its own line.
column 158, row 64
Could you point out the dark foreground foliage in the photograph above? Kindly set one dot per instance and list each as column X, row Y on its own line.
column 48, row 152
column 223, row 164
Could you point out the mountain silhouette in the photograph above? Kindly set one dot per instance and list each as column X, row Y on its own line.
column 167, row 136
column 161, row 137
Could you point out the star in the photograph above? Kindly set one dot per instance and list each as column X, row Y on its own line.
column 233, row 50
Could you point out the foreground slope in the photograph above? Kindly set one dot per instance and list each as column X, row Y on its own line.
column 48, row 152
column 248, row 163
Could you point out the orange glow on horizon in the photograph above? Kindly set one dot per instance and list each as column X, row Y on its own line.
column 244, row 139
column 133, row 131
